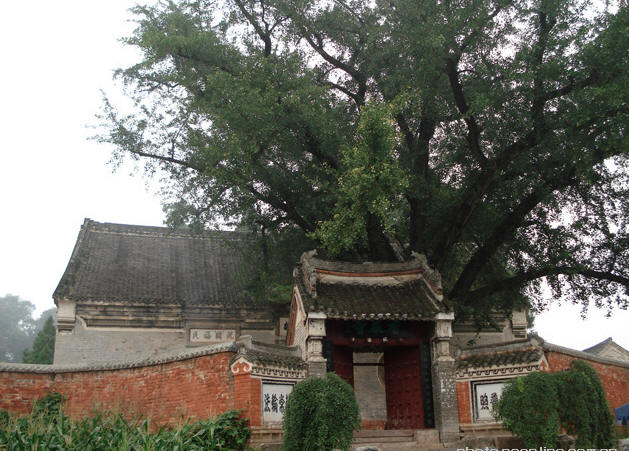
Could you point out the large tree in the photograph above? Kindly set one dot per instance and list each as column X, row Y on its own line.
column 18, row 328
column 43, row 350
column 489, row 135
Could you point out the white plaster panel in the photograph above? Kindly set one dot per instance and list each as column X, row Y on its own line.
column 274, row 398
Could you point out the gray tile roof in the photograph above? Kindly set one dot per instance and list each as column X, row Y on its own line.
column 155, row 265
column 411, row 300
column 609, row 349
column 532, row 354
column 271, row 359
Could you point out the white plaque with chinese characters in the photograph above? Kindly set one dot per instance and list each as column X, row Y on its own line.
column 485, row 396
column 200, row 336
column 274, row 398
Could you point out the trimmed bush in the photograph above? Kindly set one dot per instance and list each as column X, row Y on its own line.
column 535, row 407
column 529, row 408
column 321, row 414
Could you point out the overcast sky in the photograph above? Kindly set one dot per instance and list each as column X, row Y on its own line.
column 57, row 56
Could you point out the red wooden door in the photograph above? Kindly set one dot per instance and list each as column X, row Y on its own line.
column 344, row 363
column 403, row 388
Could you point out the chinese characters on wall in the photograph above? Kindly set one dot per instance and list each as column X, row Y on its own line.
column 486, row 396
column 211, row 335
column 274, row 398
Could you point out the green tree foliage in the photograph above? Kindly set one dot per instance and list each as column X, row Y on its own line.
column 489, row 135
column 584, row 410
column 369, row 186
column 18, row 329
column 529, row 408
column 43, row 350
column 536, row 406
column 321, row 414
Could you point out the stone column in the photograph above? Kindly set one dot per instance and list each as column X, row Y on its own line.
column 314, row 344
column 444, row 380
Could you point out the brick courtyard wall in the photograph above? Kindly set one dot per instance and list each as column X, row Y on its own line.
column 195, row 387
column 249, row 397
column 614, row 376
column 464, row 402
column 18, row 391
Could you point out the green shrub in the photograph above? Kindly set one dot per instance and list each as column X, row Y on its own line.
column 536, row 406
column 46, row 429
column 585, row 411
column 321, row 414
column 529, row 408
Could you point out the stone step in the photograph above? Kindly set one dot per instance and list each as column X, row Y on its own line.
column 401, row 446
column 368, row 439
column 384, row 439
column 373, row 446
column 384, row 433
column 426, row 438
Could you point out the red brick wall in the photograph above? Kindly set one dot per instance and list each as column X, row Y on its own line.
column 196, row 388
column 19, row 390
column 249, row 397
column 615, row 379
column 463, row 399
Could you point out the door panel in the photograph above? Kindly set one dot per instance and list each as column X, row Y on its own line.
column 402, row 374
column 344, row 363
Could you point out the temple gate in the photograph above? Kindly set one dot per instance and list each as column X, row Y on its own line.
column 384, row 328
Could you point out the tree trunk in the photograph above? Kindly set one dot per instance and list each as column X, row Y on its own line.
column 379, row 247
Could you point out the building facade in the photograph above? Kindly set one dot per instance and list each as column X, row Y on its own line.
column 137, row 294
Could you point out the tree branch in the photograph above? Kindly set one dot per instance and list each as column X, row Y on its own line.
column 470, row 37
column 263, row 34
column 518, row 281
column 351, row 71
column 344, row 90
column 484, row 182
column 473, row 134
column 184, row 163
column 504, row 230
column 539, row 102
column 282, row 205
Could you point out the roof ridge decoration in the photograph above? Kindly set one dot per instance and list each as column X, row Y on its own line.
column 268, row 361
column 409, row 290
column 509, row 362
column 369, row 273
column 531, row 341
column 132, row 229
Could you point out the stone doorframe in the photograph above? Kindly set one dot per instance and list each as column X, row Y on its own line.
column 443, row 369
